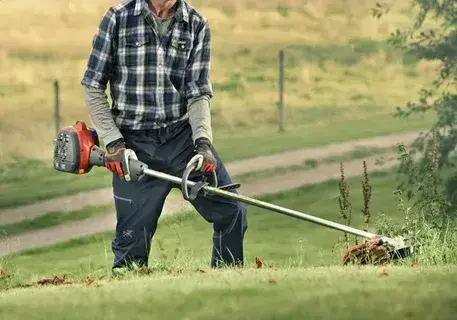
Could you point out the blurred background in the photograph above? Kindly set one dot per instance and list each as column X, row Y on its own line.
column 342, row 80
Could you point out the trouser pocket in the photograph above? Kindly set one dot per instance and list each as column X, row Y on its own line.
column 127, row 212
column 123, row 205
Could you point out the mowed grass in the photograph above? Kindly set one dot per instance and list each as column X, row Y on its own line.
column 301, row 276
column 289, row 293
column 184, row 241
column 342, row 80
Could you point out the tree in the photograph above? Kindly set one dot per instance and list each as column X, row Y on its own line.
column 438, row 44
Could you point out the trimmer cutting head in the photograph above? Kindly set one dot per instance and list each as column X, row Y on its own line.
column 398, row 249
column 377, row 251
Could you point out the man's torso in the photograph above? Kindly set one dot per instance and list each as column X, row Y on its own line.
column 149, row 67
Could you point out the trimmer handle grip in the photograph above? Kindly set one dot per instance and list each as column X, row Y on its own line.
column 134, row 170
column 195, row 190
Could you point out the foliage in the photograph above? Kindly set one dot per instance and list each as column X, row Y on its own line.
column 432, row 37
column 428, row 224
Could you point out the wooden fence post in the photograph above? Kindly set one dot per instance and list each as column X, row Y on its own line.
column 281, row 91
column 57, row 105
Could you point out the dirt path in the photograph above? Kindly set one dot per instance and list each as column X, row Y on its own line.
column 175, row 203
column 104, row 196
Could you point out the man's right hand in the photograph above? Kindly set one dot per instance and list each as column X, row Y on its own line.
column 115, row 157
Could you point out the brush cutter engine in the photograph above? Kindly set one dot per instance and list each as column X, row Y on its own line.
column 75, row 149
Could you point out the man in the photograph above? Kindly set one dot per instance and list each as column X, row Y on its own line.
column 155, row 54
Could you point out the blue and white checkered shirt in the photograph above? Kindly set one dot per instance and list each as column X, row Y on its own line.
column 151, row 79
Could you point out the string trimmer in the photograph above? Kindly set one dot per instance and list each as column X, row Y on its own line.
column 77, row 151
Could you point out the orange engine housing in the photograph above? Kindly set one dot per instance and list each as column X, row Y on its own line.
column 73, row 147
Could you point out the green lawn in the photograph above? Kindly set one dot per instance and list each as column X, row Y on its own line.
column 290, row 293
column 301, row 277
column 184, row 241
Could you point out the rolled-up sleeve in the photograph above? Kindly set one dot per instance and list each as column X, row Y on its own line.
column 99, row 65
column 198, row 82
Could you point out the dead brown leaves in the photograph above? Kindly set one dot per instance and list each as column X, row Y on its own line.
column 369, row 252
column 54, row 281
column 259, row 262
column 58, row 281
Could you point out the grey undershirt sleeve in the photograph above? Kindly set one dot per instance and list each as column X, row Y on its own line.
column 100, row 114
column 200, row 118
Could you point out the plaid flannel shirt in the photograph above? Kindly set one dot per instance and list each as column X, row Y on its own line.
column 151, row 81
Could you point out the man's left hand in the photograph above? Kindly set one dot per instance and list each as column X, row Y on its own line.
column 203, row 147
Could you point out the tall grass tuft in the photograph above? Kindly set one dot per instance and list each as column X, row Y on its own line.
column 427, row 219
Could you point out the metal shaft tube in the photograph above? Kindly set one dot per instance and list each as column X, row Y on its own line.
column 265, row 205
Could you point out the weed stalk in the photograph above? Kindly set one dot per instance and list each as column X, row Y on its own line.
column 343, row 201
column 367, row 192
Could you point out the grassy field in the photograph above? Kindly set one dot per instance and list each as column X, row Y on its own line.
column 299, row 293
column 183, row 241
column 300, row 276
column 342, row 80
